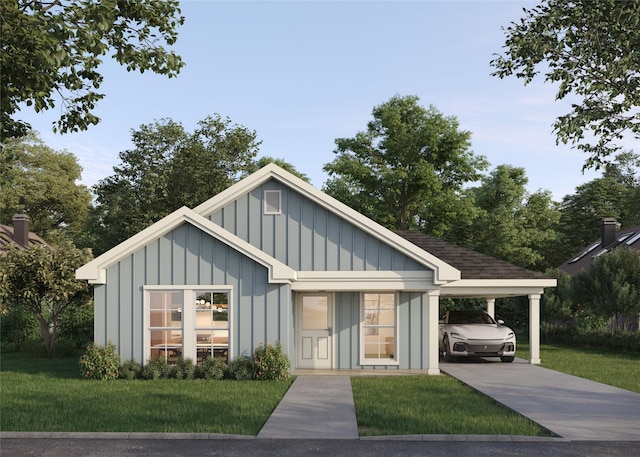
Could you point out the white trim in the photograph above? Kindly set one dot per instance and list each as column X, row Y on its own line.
column 188, row 315
column 494, row 288
column 443, row 272
column 95, row 271
column 363, row 280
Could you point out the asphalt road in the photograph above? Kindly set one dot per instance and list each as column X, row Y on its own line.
column 58, row 447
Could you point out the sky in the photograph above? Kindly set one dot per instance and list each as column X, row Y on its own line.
column 303, row 73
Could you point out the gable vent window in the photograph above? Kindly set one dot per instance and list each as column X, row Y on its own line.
column 272, row 202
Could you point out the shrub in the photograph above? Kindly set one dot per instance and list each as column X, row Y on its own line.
column 603, row 339
column 76, row 324
column 212, row 368
column 34, row 348
column 130, row 369
column 65, row 348
column 100, row 362
column 17, row 325
column 184, row 369
column 271, row 363
column 156, row 368
column 242, row 369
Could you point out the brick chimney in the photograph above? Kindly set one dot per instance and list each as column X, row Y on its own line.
column 609, row 226
column 21, row 229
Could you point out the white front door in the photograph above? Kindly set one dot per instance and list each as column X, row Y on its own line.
column 315, row 316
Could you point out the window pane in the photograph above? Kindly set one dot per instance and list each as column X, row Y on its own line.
column 387, row 317
column 315, row 312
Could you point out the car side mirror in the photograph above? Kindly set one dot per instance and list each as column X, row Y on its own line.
column 500, row 321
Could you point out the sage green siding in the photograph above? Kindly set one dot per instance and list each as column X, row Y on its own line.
column 306, row 236
column 188, row 256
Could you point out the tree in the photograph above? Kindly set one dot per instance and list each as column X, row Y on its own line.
column 52, row 50
column 513, row 225
column 41, row 182
column 616, row 194
column 589, row 47
column 169, row 168
column 43, row 282
column 266, row 160
column 611, row 287
column 408, row 169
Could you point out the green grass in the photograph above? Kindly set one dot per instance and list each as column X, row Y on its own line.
column 410, row 405
column 49, row 395
column 601, row 365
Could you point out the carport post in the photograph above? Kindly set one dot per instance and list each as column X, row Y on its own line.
column 491, row 307
column 433, row 335
column 534, row 328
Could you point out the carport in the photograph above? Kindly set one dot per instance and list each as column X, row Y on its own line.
column 485, row 277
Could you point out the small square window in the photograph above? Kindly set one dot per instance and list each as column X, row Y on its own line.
column 272, row 202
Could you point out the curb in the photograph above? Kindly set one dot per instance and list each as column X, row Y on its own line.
column 218, row 436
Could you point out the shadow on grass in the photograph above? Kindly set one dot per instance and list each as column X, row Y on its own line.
column 61, row 368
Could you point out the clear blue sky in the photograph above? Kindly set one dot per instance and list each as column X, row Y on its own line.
column 303, row 73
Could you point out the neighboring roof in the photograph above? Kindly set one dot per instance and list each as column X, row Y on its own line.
column 443, row 272
column 472, row 264
column 7, row 237
column 629, row 237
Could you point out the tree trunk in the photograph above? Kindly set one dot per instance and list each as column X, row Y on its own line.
column 48, row 339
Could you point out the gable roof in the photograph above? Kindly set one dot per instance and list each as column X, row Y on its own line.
column 443, row 272
column 95, row 271
column 629, row 237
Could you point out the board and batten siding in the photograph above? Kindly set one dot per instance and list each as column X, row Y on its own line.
column 412, row 332
column 307, row 236
column 260, row 312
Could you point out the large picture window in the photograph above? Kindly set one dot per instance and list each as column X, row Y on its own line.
column 189, row 323
column 378, row 341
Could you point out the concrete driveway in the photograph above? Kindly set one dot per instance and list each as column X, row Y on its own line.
column 571, row 407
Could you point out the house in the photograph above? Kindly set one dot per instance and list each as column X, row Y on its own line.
column 273, row 258
column 19, row 235
column 610, row 239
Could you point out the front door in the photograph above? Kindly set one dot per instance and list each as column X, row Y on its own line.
column 314, row 331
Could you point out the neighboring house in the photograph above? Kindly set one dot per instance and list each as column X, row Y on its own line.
column 609, row 240
column 19, row 235
column 274, row 259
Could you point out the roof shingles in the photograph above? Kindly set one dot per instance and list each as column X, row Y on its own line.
column 471, row 264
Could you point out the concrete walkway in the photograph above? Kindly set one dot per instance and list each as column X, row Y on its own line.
column 321, row 406
column 316, row 407
column 571, row 407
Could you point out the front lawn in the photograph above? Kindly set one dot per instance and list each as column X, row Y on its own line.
column 416, row 405
column 49, row 395
column 601, row 365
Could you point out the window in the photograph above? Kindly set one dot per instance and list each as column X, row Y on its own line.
column 190, row 323
column 165, row 324
column 378, row 336
column 212, row 325
column 272, row 202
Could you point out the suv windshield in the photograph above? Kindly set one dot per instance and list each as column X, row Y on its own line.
column 469, row 317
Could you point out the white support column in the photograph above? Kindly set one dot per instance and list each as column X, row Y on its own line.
column 534, row 328
column 491, row 307
column 433, row 350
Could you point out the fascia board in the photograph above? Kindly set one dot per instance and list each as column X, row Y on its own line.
column 496, row 287
column 95, row 271
column 363, row 280
column 444, row 272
